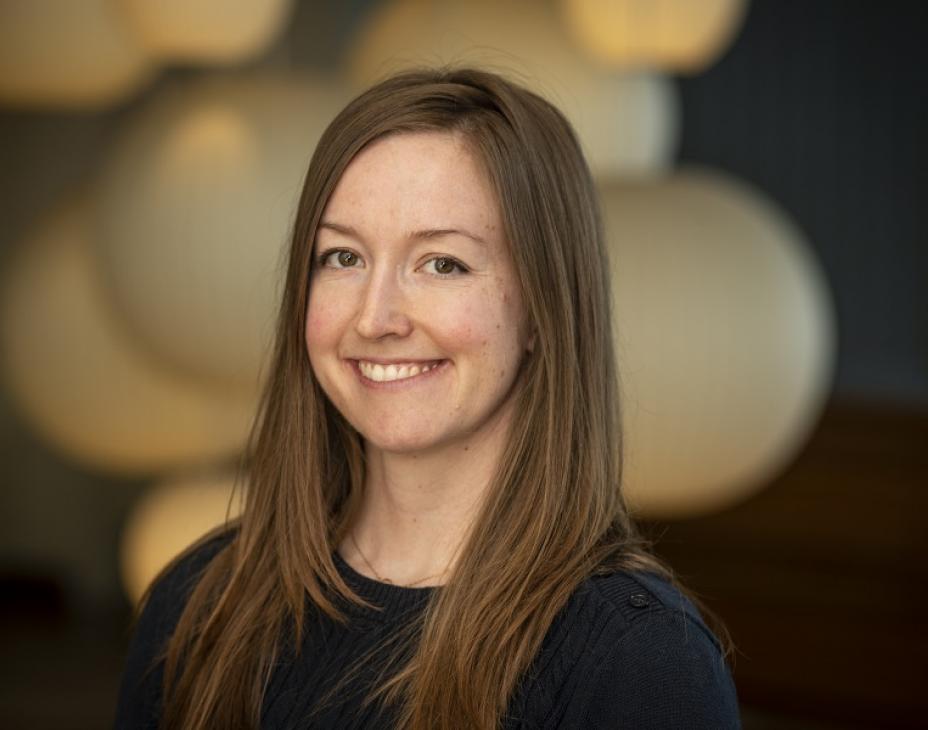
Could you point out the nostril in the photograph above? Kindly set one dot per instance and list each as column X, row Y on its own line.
column 379, row 323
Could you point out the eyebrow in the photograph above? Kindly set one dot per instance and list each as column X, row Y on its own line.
column 424, row 234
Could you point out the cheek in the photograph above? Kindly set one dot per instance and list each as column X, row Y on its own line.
column 315, row 324
column 321, row 325
column 460, row 324
column 485, row 326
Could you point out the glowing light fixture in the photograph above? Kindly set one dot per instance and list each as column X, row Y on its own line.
column 725, row 335
column 197, row 202
column 627, row 123
column 62, row 53
column 675, row 35
column 79, row 379
column 170, row 517
column 213, row 31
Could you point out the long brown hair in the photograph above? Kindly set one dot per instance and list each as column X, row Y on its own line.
column 554, row 514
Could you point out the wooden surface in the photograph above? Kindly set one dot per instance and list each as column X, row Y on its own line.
column 822, row 579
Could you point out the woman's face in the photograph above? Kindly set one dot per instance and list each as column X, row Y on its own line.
column 415, row 327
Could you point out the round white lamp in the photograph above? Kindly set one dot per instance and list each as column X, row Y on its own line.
column 80, row 381
column 169, row 518
column 62, row 53
column 628, row 124
column 676, row 35
column 211, row 31
column 197, row 200
column 725, row 335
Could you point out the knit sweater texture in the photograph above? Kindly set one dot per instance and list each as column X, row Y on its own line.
column 626, row 651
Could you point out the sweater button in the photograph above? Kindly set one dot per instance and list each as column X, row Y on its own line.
column 639, row 600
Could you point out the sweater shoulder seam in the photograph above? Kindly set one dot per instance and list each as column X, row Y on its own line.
column 656, row 606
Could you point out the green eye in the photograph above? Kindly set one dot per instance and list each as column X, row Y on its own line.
column 339, row 258
column 346, row 258
column 445, row 266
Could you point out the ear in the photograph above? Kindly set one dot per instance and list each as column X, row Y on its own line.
column 530, row 345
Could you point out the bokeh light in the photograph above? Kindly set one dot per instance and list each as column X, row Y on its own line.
column 627, row 123
column 168, row 518
column 62, row 53
column 77, row 376
column 725, row 337
column 206, row 31
column 672, row 35
column 197, row 201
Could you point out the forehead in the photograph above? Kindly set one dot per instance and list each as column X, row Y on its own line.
column 416, row 180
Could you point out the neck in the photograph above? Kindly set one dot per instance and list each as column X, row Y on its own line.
column 417, row 509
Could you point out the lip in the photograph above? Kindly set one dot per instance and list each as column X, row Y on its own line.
column 398, row 384
column 405, row 361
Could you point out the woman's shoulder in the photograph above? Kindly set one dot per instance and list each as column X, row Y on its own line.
column 641, row 655
column 167, row 596
column 140, row 692
column 663, row 666
column 170, row 590
column 632, row 597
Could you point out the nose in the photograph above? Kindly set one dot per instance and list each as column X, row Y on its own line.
column 383, row 308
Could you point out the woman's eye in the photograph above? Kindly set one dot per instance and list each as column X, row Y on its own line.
column 339, row 259
column 444, row 266
column 346, row 258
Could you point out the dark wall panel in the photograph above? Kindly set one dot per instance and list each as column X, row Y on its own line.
column 823, row 105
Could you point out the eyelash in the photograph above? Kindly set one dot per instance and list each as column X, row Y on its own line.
column 326, row 255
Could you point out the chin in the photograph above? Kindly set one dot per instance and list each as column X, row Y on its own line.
column 401, row 443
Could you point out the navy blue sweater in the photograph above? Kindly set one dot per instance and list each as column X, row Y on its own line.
column 627, row 651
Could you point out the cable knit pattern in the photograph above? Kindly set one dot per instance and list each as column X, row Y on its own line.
column 627, row 651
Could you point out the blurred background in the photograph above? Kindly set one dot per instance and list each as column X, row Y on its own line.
column 760, row 166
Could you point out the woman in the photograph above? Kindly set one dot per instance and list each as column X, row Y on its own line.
column 434, row 535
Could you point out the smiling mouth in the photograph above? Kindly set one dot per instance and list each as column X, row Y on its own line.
column 398, row 371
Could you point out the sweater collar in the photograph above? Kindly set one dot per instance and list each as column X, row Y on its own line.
column 393, row 600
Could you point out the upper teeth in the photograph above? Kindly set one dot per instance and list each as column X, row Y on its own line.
column 382, row 374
